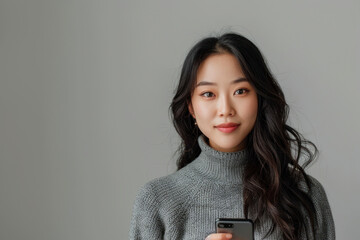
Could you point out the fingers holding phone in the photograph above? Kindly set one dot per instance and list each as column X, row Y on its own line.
column 219, row 236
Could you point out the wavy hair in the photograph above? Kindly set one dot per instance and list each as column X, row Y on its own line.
column 272, row 176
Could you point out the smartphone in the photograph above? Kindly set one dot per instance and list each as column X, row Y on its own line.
column 241, row 229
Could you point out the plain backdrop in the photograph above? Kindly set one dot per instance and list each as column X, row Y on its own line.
column 85, row 88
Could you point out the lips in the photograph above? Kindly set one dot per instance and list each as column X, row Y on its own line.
column 227, row 127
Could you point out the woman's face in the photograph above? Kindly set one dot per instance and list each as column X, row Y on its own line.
column 223, row 95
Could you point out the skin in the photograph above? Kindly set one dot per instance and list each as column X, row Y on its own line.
column 219, row 236
column 223, row 102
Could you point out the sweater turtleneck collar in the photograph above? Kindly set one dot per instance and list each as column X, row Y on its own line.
column 220, row 166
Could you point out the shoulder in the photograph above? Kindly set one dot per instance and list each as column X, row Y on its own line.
column 152, row 191
column 325, row 223
column 311, row 186
column 162, row 199
column 149, row 200
column 315, row 184
column 163, row 188
column 317, row 193
column 315, row 189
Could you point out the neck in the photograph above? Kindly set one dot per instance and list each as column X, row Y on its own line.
column 220, row 166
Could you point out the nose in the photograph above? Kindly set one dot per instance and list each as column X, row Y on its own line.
column 225, row 107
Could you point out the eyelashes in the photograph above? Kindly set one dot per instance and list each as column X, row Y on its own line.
column 241, row 91
column 206, row 93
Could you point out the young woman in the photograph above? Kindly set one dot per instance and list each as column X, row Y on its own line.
column 238, row 157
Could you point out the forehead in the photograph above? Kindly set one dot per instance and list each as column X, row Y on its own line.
column 219, row 68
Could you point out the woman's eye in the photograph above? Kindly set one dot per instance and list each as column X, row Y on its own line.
column 207, row 94
column 241, row 91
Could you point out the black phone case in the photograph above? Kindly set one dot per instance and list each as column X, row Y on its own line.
column 243, row 229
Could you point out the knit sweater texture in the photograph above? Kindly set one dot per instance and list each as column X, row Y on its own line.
column 185, row 204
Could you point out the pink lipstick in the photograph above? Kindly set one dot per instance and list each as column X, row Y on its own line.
column 227, row 127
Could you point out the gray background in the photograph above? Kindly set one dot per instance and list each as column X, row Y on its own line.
column 85, row 88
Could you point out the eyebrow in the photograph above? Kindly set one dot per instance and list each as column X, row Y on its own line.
column 204, row 83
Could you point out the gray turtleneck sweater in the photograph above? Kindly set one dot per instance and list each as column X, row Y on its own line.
column 185, row 204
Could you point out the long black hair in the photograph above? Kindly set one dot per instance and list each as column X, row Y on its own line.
column 273, row 174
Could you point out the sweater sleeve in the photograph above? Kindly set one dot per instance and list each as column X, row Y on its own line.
column 325, row 228
column 146, row 222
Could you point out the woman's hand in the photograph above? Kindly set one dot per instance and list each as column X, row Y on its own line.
column 219, row 236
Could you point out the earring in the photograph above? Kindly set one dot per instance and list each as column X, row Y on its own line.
column 195, row 122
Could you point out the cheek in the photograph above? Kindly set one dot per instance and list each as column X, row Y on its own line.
column 203, row 110
column 249, row 110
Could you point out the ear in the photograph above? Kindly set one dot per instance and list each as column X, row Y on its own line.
column 191, row 109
